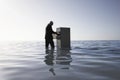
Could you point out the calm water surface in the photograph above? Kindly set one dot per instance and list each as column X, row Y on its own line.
column 87, row 60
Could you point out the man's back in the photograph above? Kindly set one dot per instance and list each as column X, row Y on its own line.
column 49, row 31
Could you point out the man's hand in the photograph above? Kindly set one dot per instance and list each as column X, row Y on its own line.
column 58, row 34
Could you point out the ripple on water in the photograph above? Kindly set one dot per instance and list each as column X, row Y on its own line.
column 86, row 61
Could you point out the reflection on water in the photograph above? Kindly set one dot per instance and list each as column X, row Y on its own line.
column 64, row 58
column 49, row 57
column 88, row 60
column 61, row 57
column 49, row 60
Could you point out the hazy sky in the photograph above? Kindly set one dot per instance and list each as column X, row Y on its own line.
column 88, row 19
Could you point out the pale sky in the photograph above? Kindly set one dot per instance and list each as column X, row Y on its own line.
column 88, row 19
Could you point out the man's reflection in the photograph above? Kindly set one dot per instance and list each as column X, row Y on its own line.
column 62, row 58
column 49, row 60
column 49, row 57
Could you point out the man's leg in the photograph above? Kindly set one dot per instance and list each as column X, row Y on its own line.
column 46, row 43
column 52, row 44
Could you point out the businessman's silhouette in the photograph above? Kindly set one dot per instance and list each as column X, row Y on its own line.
column 48, row 36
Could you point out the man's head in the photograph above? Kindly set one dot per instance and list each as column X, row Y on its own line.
column 51, row 23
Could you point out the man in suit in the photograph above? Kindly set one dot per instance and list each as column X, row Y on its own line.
column 48, row 35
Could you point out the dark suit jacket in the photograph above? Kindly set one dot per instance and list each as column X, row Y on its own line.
column 49, row 32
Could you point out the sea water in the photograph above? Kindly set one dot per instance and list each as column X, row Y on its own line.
column 87, row 60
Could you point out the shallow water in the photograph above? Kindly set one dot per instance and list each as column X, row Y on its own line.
column 87, row 60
